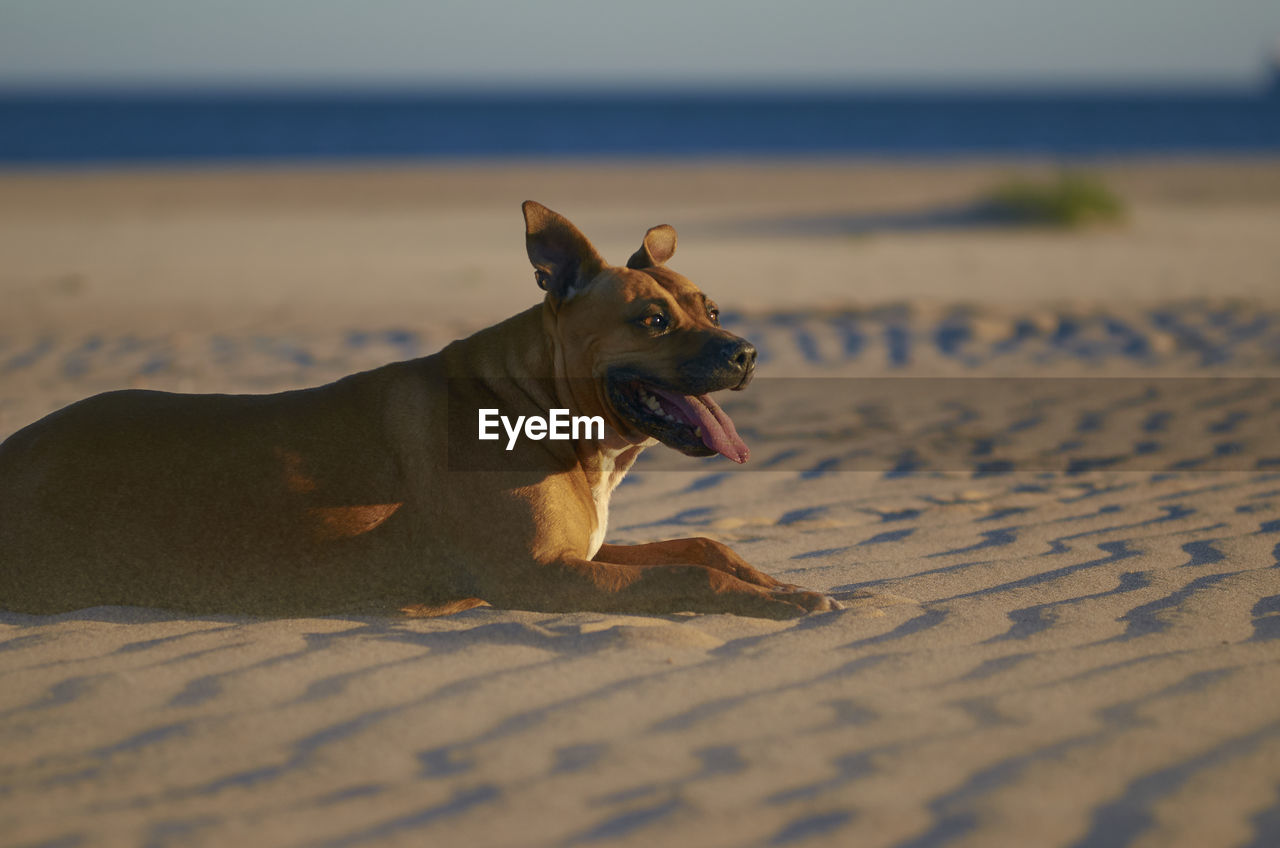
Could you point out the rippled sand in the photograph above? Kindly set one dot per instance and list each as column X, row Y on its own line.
column 1037, row 652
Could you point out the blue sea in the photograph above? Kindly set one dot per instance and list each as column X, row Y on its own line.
column 42, row 129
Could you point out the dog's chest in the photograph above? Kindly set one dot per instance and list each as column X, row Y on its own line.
column 612, row 470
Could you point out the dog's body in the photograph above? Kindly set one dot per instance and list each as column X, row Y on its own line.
column 367, row 494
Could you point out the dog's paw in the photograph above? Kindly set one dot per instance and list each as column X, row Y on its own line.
column 806, row 601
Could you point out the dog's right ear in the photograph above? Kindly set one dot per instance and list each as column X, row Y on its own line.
column 658, row 246
column 563, row 260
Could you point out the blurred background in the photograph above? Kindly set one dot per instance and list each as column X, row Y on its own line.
column 317, row 165
column 154, row 81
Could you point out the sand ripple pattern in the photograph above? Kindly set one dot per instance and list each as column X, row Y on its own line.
column 1077, row 659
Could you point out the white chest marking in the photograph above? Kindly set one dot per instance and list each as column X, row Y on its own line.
column 611, row 473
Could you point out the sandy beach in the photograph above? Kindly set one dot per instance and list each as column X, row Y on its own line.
column 1062, row 599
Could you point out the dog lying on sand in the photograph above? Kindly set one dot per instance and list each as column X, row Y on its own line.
column 375, row 492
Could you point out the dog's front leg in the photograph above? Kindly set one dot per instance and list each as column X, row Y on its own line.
column 579, row 584
column 700, row 550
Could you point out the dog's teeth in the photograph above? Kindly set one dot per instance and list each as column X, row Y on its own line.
column 697, row 431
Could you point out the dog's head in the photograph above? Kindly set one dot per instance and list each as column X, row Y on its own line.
column 645, row 340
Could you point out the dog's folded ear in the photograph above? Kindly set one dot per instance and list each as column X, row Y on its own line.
column 563, row 259
column 658, row 246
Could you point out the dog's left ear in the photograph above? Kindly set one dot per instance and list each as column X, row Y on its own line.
column 563, row 259
column 658, row 246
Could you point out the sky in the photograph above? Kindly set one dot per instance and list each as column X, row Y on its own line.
column 446, row 43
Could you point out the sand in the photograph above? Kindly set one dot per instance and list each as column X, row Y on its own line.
column 1060, row 557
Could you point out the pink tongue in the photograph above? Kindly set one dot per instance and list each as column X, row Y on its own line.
column 717, row 428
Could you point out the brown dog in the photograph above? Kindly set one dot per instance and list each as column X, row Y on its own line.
column 376, row 491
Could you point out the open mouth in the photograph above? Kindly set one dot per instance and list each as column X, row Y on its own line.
column 692, row 424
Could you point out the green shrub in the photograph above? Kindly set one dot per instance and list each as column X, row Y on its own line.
column 1071, row 200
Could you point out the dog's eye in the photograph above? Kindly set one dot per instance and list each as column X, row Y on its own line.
column 714, row 315
column 655, row 321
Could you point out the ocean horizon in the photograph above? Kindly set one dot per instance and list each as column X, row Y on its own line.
column 68, row 127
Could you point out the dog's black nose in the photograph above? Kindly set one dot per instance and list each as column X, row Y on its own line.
column 743, row 356
column 742, row 359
